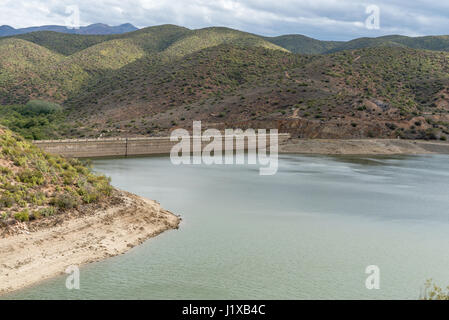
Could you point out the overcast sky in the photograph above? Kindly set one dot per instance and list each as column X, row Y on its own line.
column 321, row 19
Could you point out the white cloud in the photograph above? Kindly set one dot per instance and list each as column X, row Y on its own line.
column 323, row 19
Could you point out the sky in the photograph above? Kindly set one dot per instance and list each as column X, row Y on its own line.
column 320, row 19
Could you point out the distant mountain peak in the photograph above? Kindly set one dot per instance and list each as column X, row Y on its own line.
column 92, row 29
column 6, row 30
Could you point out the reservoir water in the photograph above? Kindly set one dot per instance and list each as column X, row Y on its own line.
column 308, row 232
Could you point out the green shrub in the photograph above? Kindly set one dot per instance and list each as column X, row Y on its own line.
column 90, row 197
column 22, row 215
column 42, row 166
column 36, row 215
column 434, row 292
column 7, row 201
column 48, row 212
column 33, row 177
column 37, row 107
column 37, row 198
column 66, row 201
column 35, row 121
column 69, row 177
column 5, row 171
column 101, row 184
column 20, row 161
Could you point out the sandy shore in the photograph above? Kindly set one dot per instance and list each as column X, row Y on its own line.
column 363, row 146
column 31, row 257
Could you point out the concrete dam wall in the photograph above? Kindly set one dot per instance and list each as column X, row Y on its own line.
column 110, row 147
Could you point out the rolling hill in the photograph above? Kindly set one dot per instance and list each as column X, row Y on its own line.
column 54, row 76
column 110, row 55
column 68, row 41
column 66, row 44
column 297, row 43
column 155, row 79
column 434, row 43
column 209, row 37
column 305, row 45
column 177, row 41
column 375, row 92
column 151, row 38
column 28, row 70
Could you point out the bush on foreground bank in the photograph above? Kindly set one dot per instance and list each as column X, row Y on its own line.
column 434, row 292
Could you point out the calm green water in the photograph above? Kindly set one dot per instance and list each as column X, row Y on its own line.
column 306, row 233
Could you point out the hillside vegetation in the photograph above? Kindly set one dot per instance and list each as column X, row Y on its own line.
column 37, row 120
column 148, row 87
column 35, row 185
column 110, row 55
column 153, row 80
column 376, row 92
column 210, row 37
column 29, row 70
column 305, row 45
column 297, row 43
column 68, row 44
column 434, row 43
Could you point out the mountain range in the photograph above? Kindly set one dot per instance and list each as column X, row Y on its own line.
column 152, row 80
column 97, row 28
column 295, row 43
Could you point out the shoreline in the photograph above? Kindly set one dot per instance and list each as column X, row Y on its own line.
column 363, row 147
column 32, row 257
